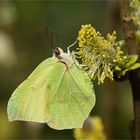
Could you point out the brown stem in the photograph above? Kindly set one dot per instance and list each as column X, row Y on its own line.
column 134, row 77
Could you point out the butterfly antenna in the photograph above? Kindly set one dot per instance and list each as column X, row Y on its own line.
column 47, row 34
column 51, row 39
column 57, row 40
column 68, row 48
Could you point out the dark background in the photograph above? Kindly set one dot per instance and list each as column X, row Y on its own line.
column 23, row 46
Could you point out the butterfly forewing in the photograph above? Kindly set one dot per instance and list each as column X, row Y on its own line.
column 29, row 101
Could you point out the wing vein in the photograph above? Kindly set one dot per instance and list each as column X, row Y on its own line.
column 78, row 107
column 77, row 84
column 57, row 87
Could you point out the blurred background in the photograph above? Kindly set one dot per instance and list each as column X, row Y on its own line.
column 23, row 45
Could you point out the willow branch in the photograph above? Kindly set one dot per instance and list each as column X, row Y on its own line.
column 134, row 77
column 128, row 27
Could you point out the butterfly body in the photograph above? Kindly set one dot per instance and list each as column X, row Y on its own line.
column 57, row 92
column 63, row 57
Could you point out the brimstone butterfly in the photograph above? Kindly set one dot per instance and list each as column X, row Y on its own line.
column 57, row 92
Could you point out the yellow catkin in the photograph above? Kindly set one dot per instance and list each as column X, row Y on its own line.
column 99, row 55
column 96, row 132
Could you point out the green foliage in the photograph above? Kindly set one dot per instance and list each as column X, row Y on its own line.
column 54, row 93
column 127, row 65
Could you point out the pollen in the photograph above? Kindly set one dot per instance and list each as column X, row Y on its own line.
column 99, row 55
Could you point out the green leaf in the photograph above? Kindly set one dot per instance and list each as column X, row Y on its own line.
column 130, row 60
column 124, row 72
column 134, row 66
column 137, row 34
column 55, row 93
column 117, row 68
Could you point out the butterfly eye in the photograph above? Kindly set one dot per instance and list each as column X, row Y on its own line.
column 56, row 51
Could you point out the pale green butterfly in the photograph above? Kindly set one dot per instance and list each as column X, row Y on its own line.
column 57, row 92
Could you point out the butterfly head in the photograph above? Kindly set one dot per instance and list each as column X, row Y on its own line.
column 62, row 56
column 57, row 52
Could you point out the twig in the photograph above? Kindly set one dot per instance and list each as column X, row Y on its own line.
column 134, row 76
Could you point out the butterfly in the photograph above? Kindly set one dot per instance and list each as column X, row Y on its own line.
column 58, row 92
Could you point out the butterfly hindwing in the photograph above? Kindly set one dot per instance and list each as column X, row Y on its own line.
column 73, row 101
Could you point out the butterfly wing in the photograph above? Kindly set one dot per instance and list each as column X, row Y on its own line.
column 73, row 100
column 60, row 96
column 29, row 102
